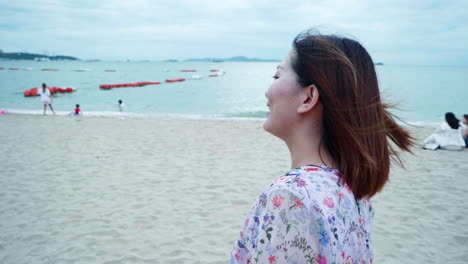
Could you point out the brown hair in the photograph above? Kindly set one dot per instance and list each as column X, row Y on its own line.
column 356, row 123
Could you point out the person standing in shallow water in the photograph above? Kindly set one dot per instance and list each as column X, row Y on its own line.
column 121, row 106
column 325, row 105
column 46, row 98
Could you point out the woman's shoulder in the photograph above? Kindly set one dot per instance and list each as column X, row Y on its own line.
column 307, row 181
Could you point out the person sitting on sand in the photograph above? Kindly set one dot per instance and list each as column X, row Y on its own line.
column 447, row 136
column 325, row 105
column 46, row 98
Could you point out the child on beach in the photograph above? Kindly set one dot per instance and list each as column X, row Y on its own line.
column 325, row 105
column 77, row 110
column 121, row 106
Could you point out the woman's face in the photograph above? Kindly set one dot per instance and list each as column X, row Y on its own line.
column 464, row 120
column 283, row 99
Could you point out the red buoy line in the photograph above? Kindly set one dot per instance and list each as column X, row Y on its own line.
column 53, row 90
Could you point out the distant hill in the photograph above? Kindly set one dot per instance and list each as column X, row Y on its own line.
column 32, row 56
column 236, row 58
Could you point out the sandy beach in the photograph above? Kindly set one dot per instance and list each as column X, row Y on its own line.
column 148, row 190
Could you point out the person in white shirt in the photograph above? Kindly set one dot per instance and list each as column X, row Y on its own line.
column 46, row 98
column 449, row 135
column 121, row 106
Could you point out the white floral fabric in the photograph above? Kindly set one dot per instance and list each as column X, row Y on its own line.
column 306, row 216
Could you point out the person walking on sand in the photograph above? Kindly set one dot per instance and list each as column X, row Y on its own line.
column 325, row 105
column 46, row 98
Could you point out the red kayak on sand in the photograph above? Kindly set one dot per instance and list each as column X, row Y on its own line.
column 175, row 80
column 53, row 90
column 119, row 85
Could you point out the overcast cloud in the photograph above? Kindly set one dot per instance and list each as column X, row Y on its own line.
column 394, row 32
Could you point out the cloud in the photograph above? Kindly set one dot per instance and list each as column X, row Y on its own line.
column 407, row 32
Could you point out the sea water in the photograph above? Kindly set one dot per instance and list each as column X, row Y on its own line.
column 424, row 93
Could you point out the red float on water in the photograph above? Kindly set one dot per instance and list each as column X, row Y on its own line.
column 137, row 84
column 53, row 90
column 175, row 80
column 214, row 70
column 213, row 75
column 188, row 70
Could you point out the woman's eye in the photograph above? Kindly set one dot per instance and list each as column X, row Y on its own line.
column 275, row 77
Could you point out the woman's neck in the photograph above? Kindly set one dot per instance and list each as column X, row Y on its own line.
column 306, row 148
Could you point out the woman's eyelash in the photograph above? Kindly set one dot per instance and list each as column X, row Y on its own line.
column 275, row 77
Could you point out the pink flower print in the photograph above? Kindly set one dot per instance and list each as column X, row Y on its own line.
column 282, row 179
column 328, row 202
column 298, row 202
column 277, row 201
column 349, row 260
column 340, row 194
column 343, row 254
column 311, row 169
column 271, row 259
column 322, row 260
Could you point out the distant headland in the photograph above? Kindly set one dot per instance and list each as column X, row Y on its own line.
column 33, row 56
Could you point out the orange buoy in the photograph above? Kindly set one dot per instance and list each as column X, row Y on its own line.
column 175, row 80
column 53, row 90
column 119, row 85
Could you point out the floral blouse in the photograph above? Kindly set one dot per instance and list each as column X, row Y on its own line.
column 306, row 216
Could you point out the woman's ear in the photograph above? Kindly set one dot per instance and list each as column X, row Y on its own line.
column 309, row 99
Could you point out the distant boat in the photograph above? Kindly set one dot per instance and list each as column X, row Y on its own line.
column 378, row 63
column 217, row 60
column 82, row 70
column 197, row 77
column 171, row 60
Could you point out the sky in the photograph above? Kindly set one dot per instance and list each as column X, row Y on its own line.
column 415, row 32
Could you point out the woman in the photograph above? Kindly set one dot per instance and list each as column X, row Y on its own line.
column 325, row 105
column 46, row 98
column 449, row 135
